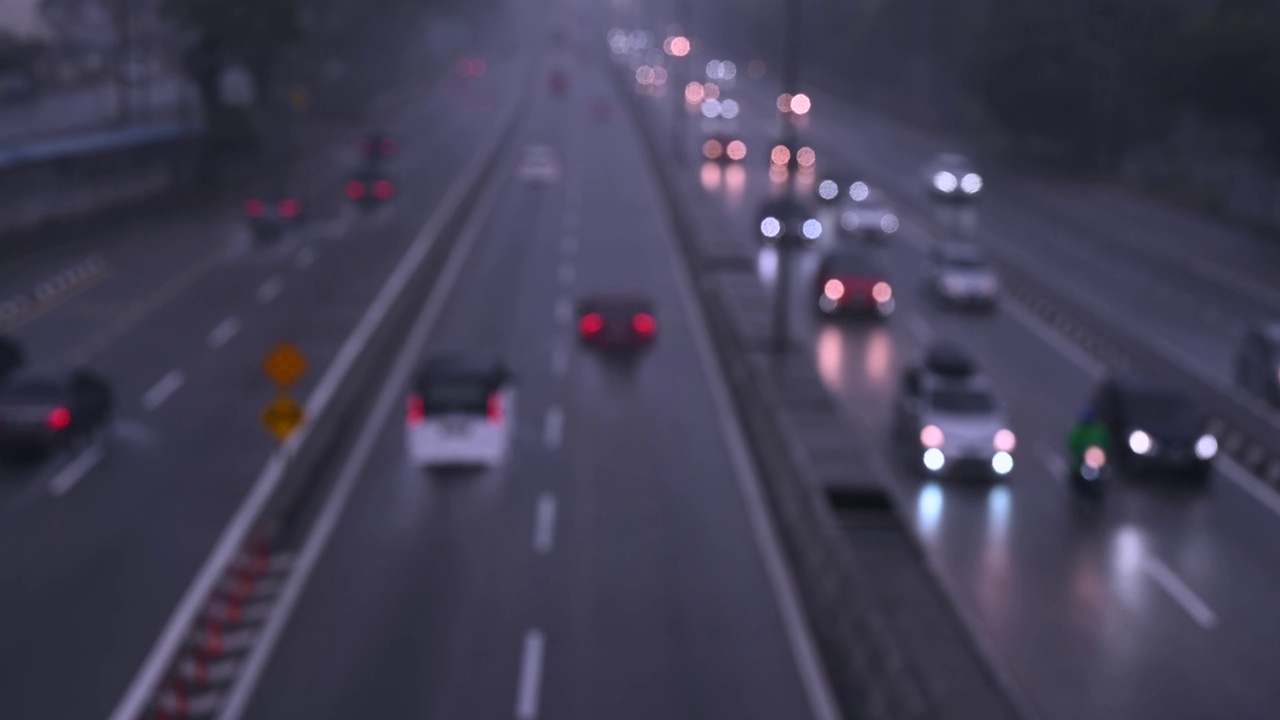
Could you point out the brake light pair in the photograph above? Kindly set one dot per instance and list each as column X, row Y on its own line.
column 289, row 208
column 592, row 324
column 382, row 190
column 385, row 148
column 415, row 413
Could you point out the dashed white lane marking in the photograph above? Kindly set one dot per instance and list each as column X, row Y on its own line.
column 269, row 289
column 1055, row 340
column 224, row 331
column 559, row 360
column 1053, row 462
column 571, row 219
column 161, row 391
column 544, row 524
column 305, row 257
column 564, row 310
column 566, row 274
column 553, row 427
column 1166, row 578
column 568, row 244
column 75, row 471
column 920, row 328
column 1256, row 488
column 529, row 689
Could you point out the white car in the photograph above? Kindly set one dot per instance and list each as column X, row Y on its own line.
column 953, row 176
column 539, row 164
column 949, row 421
column 868, row 214
column 959, row 274
column 460, row 413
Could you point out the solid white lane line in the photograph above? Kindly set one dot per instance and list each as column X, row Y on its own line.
column 530, row 686
column 566, row 274
column 75, row 471
column 568, row 244
column 1053, row 462
column 559, row 360
column 564, row 310
column 1256, row 488
column 224, row 331
column 1054, row 339
column 553, row 427
column 269, row 289
column 1166, row 578
column 920, row 328
column 544, row 524
column 305, row 257
column 161, row 391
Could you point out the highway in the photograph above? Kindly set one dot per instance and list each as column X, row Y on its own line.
column 178, row 315
column 1158, row 606
column 610, row 569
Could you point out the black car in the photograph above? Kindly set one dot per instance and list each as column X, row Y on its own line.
column 1154, row 427
column 1257, row 362
column 43, row 411
column 619, row 323
column 273, row 213
column 370, row 188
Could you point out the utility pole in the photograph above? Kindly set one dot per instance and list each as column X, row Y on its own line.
column 786, row 244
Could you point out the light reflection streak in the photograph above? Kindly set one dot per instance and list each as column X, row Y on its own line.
column 1128, row 550
column 994, row 585
column 767, row 266
column 879, row 357
column 735, row 181
column 830, row 352
column 929, row 510
column 711, row 176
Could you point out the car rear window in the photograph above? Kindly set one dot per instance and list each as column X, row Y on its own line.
column 962, row 401
column 965, row 262
column 853, row 265
column 455, row 395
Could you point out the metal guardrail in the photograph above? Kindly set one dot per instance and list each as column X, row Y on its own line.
column 266, row 519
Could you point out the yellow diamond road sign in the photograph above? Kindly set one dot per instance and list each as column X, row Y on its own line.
column 285, row 364
column 282, row 417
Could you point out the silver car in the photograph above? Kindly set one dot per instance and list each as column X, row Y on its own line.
column 868, row 214
column 951, row 175
column 959, row 274
column 950, row 425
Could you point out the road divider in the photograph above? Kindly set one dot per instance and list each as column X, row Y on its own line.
column 812, row 462
column 16, row 309
column 255, row 550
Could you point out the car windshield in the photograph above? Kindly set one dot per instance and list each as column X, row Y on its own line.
column 455, row 394
column 962, row 401
column 853, row 265
column 1158, row 410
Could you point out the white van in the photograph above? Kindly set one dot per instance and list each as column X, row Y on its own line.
column 460, row 413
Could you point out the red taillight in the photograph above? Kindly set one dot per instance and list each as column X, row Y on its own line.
column 59, row 419
column 355, row 189
column 366, row 147
column 644, row 323
column 388, row 148
column 254, row 208
column 414, row 414
column 290, row 208
column 383, row 190
column 477, row 67
column 494, row 410
column 590, row 324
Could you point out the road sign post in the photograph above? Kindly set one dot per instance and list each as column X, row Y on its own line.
column 282, row 417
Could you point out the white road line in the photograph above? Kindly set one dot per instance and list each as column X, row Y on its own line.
column 305, row 257
column 268, row 290
column 1052, row 462
column 1260, row 491
column 544, row 524
column 553, row 427
column 161, row 391
column 566, row 274
column 1054, row 339
column 568, row 244
column 338, row 226
column 571, row 219
column 1166, row 578
column 530, row 685
column 920, row 328
column 564, row 310
column 75, row 471
column 559, row 360
column 224, row 331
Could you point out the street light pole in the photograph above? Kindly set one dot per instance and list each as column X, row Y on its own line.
column 786, row 244
column 680, row 119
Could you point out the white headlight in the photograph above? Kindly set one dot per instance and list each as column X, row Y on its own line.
column 1206, row 447
column 945, row 181
column 1140, row 442
column 1002, row 463
column 849, row 220
column 1005, row 441
column 889, row 223
column 828, row 190
column 812, row 229
column 770, row 227
column 859, row 191
column 952, row 285
column 971, row 183
column 934, row 459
